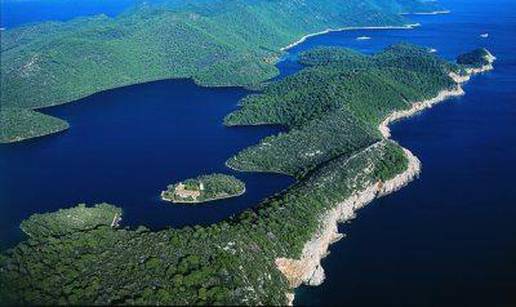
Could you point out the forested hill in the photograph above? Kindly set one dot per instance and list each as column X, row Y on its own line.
column 334, row 106
column 217, row 43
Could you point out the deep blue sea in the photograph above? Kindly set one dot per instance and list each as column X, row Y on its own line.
column 14, row 13
column 447, row 239
column 124, row 147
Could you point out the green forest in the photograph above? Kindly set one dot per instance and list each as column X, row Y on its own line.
column 18, row 124
column 476, row 58
column 216, row 43
column 77, row 256
column 231, row 262
column 66, row 221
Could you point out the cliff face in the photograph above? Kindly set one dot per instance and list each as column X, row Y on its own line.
column 308, row 269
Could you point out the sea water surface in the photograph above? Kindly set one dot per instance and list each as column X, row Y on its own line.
column 14, row 13
column 448, row 239
column 124, row 147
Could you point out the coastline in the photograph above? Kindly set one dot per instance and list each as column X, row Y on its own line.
column 441, row 12
column 416, row 108
column 192, row 78
column 19, row 139
column 329, row 30
column 308, row 269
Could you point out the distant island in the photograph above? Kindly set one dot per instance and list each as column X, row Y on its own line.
column 336, row 111
column 204, row 189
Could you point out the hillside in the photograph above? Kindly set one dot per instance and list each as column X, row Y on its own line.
column 334, row 106
column 217, row 43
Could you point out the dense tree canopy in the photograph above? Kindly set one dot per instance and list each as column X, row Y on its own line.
column 203, row 189
column 217, row 43
column 334, row 106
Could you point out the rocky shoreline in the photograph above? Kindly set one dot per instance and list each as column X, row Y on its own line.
column 307, row 269
column 417, row 107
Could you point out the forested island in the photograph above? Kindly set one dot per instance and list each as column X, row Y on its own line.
column 336, row 110
column 204, row 189
column 216, row 43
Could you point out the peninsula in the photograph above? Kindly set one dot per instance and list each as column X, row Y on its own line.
column 337, row 110
column 204, row 189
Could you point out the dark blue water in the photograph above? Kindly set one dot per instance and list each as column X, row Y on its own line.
column 14, row 13
column 448, row 239
column 126, row 145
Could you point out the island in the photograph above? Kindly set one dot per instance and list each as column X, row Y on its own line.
column 204, row 189
column 215, row 43
column 337, row 145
